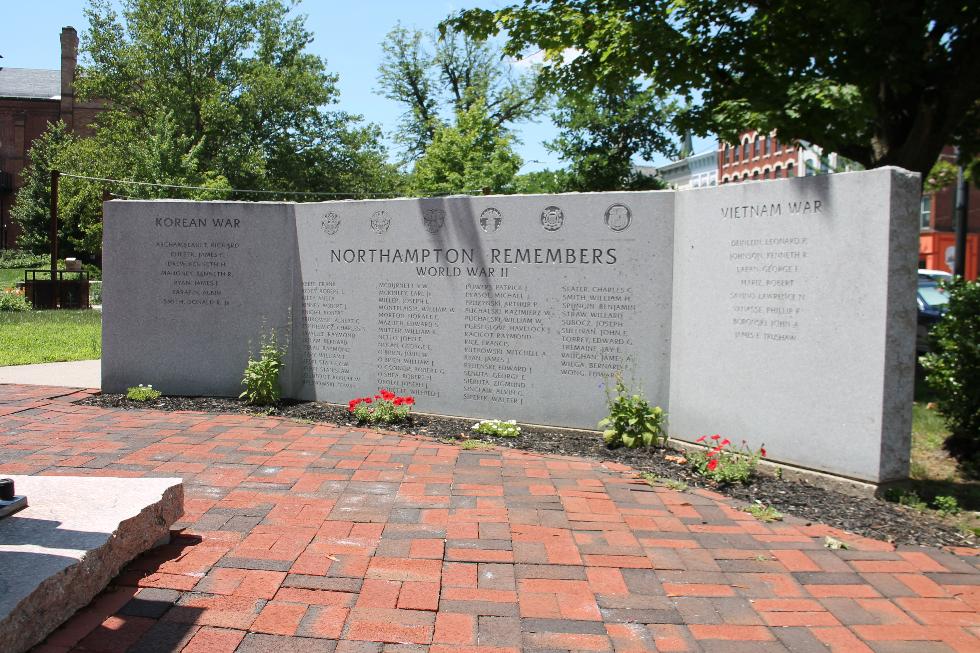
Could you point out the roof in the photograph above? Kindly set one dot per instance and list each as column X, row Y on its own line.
column 31, row 83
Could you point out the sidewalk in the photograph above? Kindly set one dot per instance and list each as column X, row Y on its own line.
column 311, row 537
column 74, row 374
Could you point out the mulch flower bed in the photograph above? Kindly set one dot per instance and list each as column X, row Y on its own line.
column 865, row 516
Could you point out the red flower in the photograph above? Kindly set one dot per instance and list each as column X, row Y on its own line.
column 715, row 437
column 712, row 453
column 702, row 438
column 725, row 442
column 386, row 395
column 409, row 400
column 712, row 464
column 398, row 401
column 367, row 400
column 762, row 450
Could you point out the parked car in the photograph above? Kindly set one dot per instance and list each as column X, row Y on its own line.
column 932, row 300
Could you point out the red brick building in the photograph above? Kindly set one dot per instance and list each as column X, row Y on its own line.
column 30, row 99
column 759, row 156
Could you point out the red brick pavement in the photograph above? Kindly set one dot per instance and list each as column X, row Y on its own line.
column 304, row 537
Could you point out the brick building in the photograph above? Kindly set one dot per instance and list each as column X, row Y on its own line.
column 30, row 99
column 759, row 156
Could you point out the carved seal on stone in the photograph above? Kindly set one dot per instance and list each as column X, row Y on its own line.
column 330, row 223
column 433, row 219
column 380, row 221
column 618, row 217
column 552, row 218
column 490, row 220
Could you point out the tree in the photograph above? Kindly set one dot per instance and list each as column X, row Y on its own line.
column 471, row 155
column 121, row 148
column 32, row 207
column 601, row 132
column 439, row 79
column 880, row 82
column 237, row 82
column 540, row 182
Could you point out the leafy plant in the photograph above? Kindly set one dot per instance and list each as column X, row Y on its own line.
column 142, row 393
column 261, row 378
column 508, row 429
column 953, row 368
column 764, row 513
column 631, row 421
column 946, row 505
column 909, row 498
column 14, row 302
column 18, row 258
column 385, row 407
column 725, row 464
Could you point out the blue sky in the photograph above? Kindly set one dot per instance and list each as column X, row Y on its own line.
column 347, row 34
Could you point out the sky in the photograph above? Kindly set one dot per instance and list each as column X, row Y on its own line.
column 347, row 34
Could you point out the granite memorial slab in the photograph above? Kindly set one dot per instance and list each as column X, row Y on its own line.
column 781, row 312
column 794, row 319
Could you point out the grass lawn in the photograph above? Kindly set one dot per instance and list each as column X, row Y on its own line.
column 49, row 336
column 10, row 276
column 934, row 473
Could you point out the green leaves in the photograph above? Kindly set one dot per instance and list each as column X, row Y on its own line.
column 953, row 368
column 879, row 83
column 632, row 420
column 261, row 379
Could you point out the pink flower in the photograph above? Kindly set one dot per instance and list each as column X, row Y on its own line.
column 702, row 438
column 725, row 442
column 715, row 437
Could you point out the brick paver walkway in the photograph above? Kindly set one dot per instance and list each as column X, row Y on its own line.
column 304, row 537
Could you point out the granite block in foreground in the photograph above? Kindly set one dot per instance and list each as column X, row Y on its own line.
column 73, row 538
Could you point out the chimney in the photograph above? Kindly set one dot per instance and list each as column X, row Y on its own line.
column 69, row 60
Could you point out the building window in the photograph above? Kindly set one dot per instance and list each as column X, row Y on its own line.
column 775, row 172
column 745, row 176
column 758, row 145
column 735, row 152
column 768, row 145
column 775, row 143
column 809, row 168
column 925, row 212
column 746, row 152
column 789, row 169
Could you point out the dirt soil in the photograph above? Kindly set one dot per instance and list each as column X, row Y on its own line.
column 869, row 517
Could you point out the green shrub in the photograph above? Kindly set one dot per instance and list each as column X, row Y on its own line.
column 94, row 272
column 953, row 368
column 13, row 301
column 723, row 463
column 631, row 421
column 946, row 505
column 142, row 393
column 261, row 378
column 18, row 258
column 508, row 429
column 95, row 293
column 385, row 407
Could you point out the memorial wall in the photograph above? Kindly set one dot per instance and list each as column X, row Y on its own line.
column 781, row 312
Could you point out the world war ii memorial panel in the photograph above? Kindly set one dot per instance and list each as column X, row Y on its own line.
column 189, row 287
column 794, row 319
column 490, row 307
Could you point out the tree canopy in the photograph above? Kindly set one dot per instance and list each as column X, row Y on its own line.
column 237, row 80
column 882, row 82
column 600, row 133
column 218, row 94
column 437, row 80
